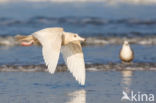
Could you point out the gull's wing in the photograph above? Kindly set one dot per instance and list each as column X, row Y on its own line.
column 51, row 39
column 73, row 57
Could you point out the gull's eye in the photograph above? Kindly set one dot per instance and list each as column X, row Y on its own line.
column 75, row 35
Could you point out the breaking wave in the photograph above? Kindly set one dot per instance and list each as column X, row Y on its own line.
column 76, row 20
column 151, row 40
column 136, row 31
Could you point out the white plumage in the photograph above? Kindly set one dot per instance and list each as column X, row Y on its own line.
column 73, row 57
column 55, row 39
column 126, row 53
column 50, row 40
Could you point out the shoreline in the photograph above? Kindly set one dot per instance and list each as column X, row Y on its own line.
column 89, row 67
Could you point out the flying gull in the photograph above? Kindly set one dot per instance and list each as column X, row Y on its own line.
column 54, row 41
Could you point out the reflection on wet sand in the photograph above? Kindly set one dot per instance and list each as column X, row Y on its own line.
column 78, row 96
column 126, row 80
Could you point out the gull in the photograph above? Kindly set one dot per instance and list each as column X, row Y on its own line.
column 126, row 53
column 55, row 40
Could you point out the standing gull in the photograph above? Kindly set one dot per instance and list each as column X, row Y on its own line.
column 54, row 40
column 126, row 53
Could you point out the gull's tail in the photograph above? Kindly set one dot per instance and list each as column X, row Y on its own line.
column 28, row 38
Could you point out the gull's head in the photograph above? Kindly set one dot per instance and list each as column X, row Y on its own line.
column 76, row 37
column 71, row 37
column 125, row 43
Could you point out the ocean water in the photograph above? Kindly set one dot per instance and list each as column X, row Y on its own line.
column 104, row 24
column 92, row 55
column 41, row 87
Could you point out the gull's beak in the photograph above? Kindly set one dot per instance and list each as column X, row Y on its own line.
column 82, row 39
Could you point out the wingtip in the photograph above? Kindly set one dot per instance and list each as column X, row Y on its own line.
column 51, row 71
column 82, row 83
column 82, row 86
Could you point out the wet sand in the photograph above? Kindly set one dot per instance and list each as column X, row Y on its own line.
column 89, row 67
column 102, row 86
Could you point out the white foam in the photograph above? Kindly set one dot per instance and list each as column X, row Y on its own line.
column 10, row 40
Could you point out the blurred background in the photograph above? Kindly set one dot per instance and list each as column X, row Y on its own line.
column 104, row 23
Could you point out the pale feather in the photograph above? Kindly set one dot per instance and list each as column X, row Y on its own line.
column 50, row 39
column 73, row 57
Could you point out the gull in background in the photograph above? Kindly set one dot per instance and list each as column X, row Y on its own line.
column 54, row 41
column 126, row 53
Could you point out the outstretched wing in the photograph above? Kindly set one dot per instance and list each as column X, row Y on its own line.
column 73, row 57
column 51, row 40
